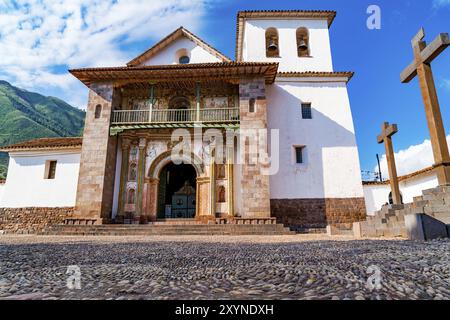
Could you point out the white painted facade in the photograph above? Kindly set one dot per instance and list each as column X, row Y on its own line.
column 25, row 184
column 331, row 168
column 2, row 190
column 178, row 48
column 377, row 194
column 254, row 44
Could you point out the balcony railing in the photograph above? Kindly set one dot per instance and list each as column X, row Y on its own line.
column 175, row 116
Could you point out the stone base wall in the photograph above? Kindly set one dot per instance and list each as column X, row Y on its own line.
column 390, row 220
column 31, row 220
column 317, row 213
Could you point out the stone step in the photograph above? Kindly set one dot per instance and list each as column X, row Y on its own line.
column 231, row 229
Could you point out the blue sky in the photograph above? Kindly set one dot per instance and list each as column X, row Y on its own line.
column 40, row 40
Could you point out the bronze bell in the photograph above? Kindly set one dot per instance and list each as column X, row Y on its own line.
column 302, row 45
column 272, row 46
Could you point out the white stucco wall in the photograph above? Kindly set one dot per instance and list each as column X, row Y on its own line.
column 2, row 189
column 332, row 165
column 254, row 44
column 25, row 184
column 169, row 54
column 376, row 195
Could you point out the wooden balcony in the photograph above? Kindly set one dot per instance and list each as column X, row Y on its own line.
column 168, row 116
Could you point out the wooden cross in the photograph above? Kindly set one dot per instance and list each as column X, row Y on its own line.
column 387, row 131
column 423, row 56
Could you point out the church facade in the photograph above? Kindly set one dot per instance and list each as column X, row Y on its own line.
column 184, row 132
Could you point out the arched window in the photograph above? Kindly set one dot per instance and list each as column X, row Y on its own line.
column 272, row 49
column 98, row 111
column 180, row 114
column 132, row 173
column 391, row 201
column 221, row 194
column 183, row 60
column 182, row 56
column 131, row 196
column 303, row 42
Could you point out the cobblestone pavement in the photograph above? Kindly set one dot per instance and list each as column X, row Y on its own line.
column 253, row 267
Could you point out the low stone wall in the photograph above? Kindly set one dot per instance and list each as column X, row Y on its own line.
column 317, row 213
column 31, row 220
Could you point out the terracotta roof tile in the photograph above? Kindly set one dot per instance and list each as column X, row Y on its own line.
column 190, row 71
column 180, row 32
column 312, row 74
column 401, row 178
column 45, row 143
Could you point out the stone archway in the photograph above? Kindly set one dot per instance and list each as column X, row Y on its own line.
column 152, row 181
column 177, row 191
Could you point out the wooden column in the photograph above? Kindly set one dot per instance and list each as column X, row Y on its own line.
column 152, row 97
column 387, row 132
column 197, row 93
column 141, row 174
column 123, row 176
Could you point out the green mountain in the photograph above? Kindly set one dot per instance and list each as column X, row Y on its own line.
column 26, row 115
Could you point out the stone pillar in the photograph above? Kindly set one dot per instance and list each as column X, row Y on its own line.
column 140, row 177
column 253, row 128
column 152, row 208
column 98, row 157
column 212, row 185
column 230, row 182
column 202, row 202
column 123, row 176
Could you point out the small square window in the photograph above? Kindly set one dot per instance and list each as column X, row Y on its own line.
column 299, row 154
column 306, row 111
column 50, row 169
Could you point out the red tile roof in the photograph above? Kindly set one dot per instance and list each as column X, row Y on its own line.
column 45, row 143
column 180, row 32
column 401, row 178
column 312, row 74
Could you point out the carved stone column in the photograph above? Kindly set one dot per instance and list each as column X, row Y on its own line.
column 212, row 185
column 230, row 182
column 123, row 176
column 152, row 192
column 141, row 174
column 202, row 201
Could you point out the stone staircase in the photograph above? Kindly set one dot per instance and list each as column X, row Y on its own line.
column 390, row 220
column 168, row 229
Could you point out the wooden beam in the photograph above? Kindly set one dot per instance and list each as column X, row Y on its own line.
column 428, row 54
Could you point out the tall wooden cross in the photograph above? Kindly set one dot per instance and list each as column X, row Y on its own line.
column 423, row 56
column 387, row 131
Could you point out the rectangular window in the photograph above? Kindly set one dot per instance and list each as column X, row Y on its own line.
column 299, row 154
column 306, row 111
column 50, row 169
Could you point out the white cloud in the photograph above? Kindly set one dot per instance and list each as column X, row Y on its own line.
column 41, row 39
column 441, row 3
column 414, row 158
